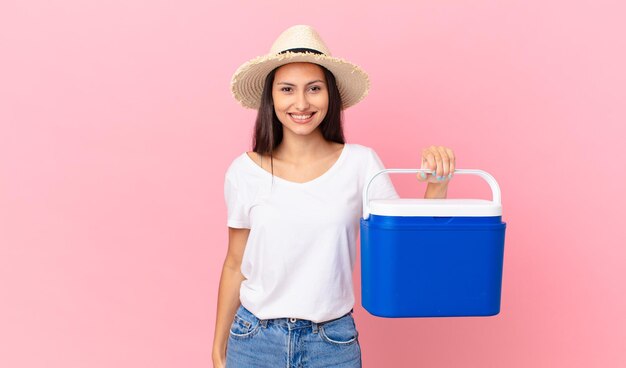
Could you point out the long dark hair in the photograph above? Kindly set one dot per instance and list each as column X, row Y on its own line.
column 268, row 130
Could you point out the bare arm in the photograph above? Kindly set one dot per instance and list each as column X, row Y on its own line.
column 228, row 294
column 434, row 191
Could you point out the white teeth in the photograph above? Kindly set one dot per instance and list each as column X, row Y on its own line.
column 301, row 117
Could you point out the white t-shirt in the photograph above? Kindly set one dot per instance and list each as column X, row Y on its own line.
column 301, row 250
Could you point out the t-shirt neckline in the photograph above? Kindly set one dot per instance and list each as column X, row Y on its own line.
column 312, row 181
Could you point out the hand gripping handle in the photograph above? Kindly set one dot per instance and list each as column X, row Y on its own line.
column 495, row 189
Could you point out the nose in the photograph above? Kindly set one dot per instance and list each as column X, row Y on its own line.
column 302, row 102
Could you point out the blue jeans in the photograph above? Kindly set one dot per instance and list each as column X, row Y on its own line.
column 291, row 342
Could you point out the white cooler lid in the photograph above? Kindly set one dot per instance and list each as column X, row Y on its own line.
column 434, row 207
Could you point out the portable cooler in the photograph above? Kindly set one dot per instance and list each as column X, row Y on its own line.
column 432, row 257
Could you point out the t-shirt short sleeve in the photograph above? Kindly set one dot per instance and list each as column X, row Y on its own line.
column 237, row 210
column 381, row 187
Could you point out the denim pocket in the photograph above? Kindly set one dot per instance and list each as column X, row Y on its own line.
column 341, row 331
column 244, row 326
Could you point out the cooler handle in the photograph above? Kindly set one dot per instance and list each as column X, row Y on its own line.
column 495, row 189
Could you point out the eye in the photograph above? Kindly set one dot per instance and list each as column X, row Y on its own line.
column 285, row 89
column 316, row 88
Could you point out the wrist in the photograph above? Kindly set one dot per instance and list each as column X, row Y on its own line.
column 436, row 190
column 218, row 351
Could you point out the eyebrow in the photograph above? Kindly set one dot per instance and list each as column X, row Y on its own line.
column 291, row 84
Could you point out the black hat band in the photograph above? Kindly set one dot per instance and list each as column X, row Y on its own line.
column 302, row 49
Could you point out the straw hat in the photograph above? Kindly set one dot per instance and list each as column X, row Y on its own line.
column 300, row 43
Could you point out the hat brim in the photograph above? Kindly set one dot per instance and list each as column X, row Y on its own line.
column 247, row 82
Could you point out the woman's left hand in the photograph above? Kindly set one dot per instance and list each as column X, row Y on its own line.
column 439, row 159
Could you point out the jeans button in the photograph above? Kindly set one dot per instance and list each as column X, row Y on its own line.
column 293, row 320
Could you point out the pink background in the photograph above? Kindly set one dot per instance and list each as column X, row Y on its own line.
column 117, row 125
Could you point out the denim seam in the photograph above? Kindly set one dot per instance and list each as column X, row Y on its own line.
column 341, row 343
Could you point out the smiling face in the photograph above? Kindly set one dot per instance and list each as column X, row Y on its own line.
column 300, row 97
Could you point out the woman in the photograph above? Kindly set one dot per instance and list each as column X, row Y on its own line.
column 294, row 204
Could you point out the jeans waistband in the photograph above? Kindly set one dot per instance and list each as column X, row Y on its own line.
column 293, row 322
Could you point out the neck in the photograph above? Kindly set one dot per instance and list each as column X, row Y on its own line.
column 298, row 149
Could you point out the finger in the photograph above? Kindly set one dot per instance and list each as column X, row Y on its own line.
column 452, row 162
column 431, row 156
column 443, row 152
column 438, row 162
column 430, row 159
column 422, row 176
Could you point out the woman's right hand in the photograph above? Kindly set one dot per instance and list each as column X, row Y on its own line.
column 219, row 362
column 219, row 359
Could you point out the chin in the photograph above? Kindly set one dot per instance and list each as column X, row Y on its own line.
column 302, row 131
